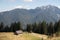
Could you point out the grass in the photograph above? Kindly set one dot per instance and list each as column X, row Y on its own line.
column 11, row 36
column 29, row 36
column 25, row 36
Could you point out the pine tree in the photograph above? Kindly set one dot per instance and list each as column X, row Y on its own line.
column 44, row 27
column 11, row 27
column 35, row 27
column 6, row 29
column 29, row 28
column 18, row 26
column 58, row 28
column 39, row 27
column 1, row 26
column 55, row 27
column 50, row 29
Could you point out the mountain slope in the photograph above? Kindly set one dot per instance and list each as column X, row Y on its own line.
column 48, row 13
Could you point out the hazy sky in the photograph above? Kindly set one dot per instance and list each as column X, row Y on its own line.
column 27, row 4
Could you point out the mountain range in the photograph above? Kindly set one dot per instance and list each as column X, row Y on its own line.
column 48, row 13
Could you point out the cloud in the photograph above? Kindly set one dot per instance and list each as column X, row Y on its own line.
column 58, row 6
column 19, row 6
column 11, row 0
column 28, row 0
column 23, row 7
column 23, row 0
column 15, row 7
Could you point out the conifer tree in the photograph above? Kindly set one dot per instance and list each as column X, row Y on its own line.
column 44, row 27
column 29, row 28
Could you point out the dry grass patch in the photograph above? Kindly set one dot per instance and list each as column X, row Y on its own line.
column 25, row 36
column 11, row 36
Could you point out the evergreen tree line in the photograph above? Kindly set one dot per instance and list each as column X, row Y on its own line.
column 12, row 28
column 41, row 27
column 44, row 28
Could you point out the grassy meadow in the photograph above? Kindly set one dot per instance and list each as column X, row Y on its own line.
column 25, row 36
column 11, row 36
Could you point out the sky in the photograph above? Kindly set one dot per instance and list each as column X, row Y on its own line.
column 6, row 5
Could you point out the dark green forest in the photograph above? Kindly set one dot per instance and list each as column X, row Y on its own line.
column 41, row 27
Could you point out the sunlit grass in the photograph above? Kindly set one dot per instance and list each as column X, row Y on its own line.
column 11, row 36
column 24, row 36
column 28, row 36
